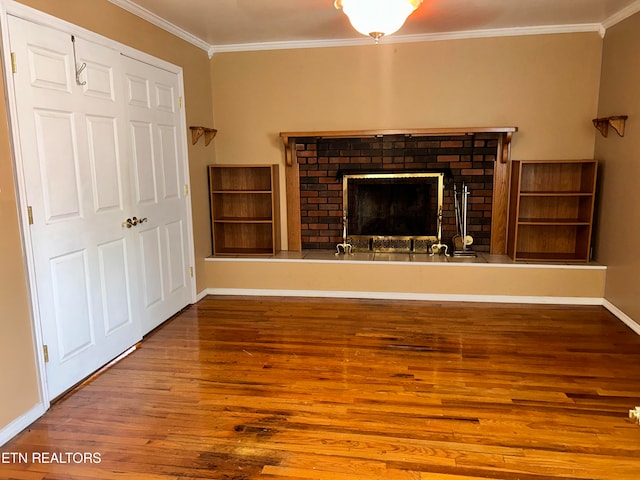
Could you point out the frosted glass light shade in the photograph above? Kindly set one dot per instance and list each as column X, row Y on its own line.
column 377, row 17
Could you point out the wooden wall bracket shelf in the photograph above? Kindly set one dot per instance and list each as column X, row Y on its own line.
column 617, row 123
column 197, row 132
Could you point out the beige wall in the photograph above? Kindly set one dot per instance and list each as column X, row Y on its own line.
column 18, row 380
column 619, row 212
column 547, row 85
column 18, row 377
column 438, row 279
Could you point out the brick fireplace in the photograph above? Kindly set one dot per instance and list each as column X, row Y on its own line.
column 315, row 183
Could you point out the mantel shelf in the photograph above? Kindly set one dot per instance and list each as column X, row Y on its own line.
column 506, row 132
column 415, row 132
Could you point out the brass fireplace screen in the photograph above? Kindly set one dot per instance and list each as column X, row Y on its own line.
column 392, row 212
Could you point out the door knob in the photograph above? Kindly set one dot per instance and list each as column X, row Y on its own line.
column 133, row 221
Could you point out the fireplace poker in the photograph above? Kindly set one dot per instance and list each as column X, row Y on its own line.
column 457, row 238
column 439, row 248
column 345, row 246
column 467, row 240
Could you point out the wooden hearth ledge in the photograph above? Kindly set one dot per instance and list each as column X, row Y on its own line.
column 500, row 177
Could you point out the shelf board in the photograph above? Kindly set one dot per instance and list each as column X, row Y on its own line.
column 550, row 257
column 243, row 220
column 553, row 221
column 235, row 251
column 235, row 192
column 555, row 194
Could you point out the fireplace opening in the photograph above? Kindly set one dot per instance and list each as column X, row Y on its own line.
column 391, row 208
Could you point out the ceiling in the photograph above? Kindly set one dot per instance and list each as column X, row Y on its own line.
column 232, row 25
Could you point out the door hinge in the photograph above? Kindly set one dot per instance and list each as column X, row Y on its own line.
column 30, row 214
column 180, row 101
column 45, row 349
column 191, row 271
column 14, row 66
column 186, row 190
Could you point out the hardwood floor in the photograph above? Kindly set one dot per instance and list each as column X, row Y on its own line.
column 316, row 389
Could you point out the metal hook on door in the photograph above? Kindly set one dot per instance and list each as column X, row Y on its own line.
column 79, row 69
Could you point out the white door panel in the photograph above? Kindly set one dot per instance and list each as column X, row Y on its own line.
column 138, row 91
column 166, row 97
column 151, row 256
column 57, row 160
column 170, row 161
column 98, row 80
column 72, row 304
column 176, row 260
column 49, row 69
column 105, row 164
column 154, row 119
column 143, row 160
column 115, row 285
column 71, row 149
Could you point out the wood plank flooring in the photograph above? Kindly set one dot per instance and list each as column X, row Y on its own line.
column 244, row 388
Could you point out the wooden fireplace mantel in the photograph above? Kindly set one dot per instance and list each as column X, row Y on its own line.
column 507, row 133
column 500, row 179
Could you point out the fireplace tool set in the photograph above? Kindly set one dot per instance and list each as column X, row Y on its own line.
column 345, row 245
column 439, row 248
column 462, row 241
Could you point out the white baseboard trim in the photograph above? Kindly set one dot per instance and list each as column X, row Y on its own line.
column 201, row 295
column 433, row 297
column 20, row 423
column 623, row 317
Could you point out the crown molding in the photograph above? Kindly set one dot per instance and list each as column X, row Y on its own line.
column 154, row 19
column 429, row 37
column 622, row 15
column 158, row 21
column 286, row 45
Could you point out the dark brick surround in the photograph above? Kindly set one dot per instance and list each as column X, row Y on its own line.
column 468, row 158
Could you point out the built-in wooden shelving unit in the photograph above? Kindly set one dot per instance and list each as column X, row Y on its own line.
column 244, row 209
column 551, row 210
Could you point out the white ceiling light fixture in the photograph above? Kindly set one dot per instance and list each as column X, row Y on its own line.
column 377, row 18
